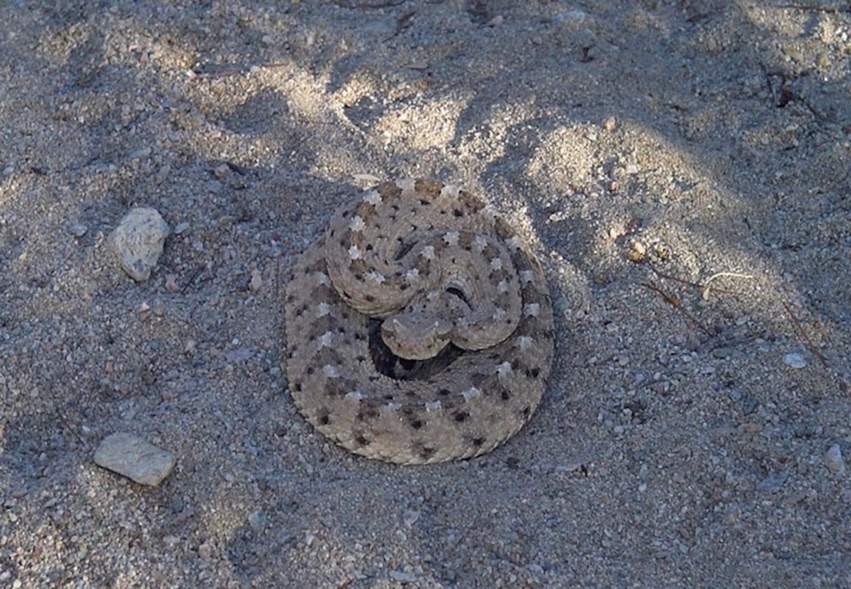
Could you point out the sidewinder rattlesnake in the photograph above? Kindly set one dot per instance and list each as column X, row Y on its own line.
column 419, row 328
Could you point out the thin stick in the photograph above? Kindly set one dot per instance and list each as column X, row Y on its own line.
column 674, row 302
column 195, row 273
column 705, row 286
column 661, row 274
column 827, row 9
column 804, row 335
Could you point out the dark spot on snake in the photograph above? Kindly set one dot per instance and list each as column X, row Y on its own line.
column 505, row 395
column 367, row 412
column 389, row 397
column 370, row 298
column 417, row 423
column 478, row 378
column 310, row 370
column 527, row 411
column 324, row 419
column 425, row 202
column 334, row 388
column 361, row 358
column 534, row 372
column 444, row 392
column 369, row 247
column 461, row 416
column 426, row 453
column 458, row 213
column 477, row 442
column 360, row 440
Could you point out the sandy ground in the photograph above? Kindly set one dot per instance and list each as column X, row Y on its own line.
column 642, row 147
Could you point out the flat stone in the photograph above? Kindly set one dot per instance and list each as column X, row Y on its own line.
column 138, row 241
column 772, row 483
column 133, row 457
column 795, row 360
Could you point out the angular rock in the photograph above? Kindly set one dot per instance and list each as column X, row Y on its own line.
column 133, row 457
column 795, row 360
column 773, row 482
column 138, row 241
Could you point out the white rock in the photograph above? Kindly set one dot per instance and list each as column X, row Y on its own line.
column 138, row 241
column 256, row 281
column 834, row 461
column 78, row 230
column 134, row 458
column 795, row 360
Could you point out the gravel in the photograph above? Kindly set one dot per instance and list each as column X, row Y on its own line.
column 690, row 436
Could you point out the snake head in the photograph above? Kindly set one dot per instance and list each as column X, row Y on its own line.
column 415, row 336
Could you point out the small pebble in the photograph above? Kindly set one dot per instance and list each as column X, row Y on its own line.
column 171, row 283
column 256, row 281
column 403, row 577
column 834, row 460
column 795, row 360
column 221, row 171
column 636, row 252
column 257, row 521
column 138, row 242
column 773, row 482
column 134, row 458
column 171, row 541
column 409, row 517
column 78, row 230
column 207, row 549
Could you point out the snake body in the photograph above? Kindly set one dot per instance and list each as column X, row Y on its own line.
column 419, row 327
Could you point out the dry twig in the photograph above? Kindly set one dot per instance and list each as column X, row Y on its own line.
column 675, row 303
column 807, row 340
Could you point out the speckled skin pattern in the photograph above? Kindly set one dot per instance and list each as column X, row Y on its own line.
column 419, row 328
